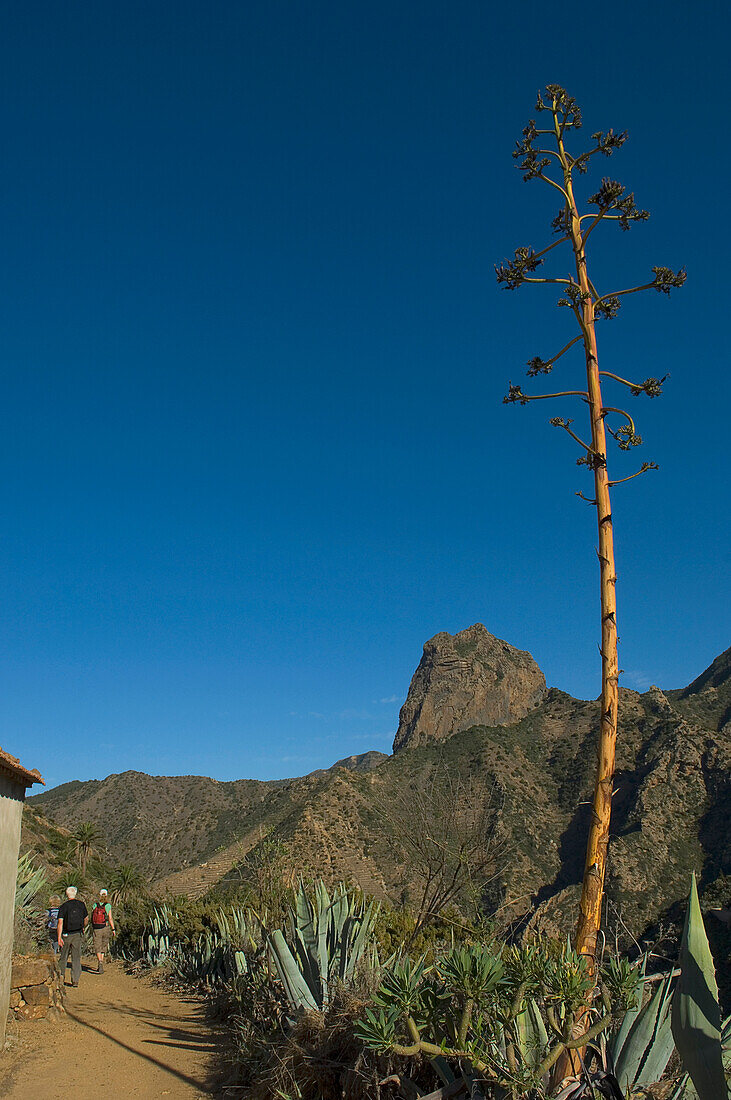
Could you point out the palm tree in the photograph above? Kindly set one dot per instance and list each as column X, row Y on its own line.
column 127, row 882
column 86, row 839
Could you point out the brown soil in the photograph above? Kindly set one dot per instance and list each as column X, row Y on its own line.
column 120, row 1035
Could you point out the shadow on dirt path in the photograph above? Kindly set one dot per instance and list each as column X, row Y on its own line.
column 121, row 1034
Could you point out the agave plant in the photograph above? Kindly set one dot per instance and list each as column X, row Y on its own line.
column 157, row 946
column 685, row 1089
column 210, row 960
column 696, row 1015
column 644, row 1042
column 325, row 939
column 29, row 881
column 217, row 956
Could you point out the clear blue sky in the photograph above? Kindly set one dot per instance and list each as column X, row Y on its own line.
column 253, row 449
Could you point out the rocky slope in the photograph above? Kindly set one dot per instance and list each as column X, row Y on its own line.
column 671, row 807
column 165, row 824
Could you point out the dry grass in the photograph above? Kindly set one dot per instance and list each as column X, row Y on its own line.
column 321, row 1060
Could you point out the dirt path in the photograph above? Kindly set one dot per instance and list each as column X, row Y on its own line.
column 122, row 1036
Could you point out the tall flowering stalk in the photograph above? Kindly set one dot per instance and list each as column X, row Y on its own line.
column 543, row 154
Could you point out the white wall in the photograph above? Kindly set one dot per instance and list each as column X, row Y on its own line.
column 12, row 796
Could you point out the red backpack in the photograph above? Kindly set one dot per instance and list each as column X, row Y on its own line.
column 99, row 916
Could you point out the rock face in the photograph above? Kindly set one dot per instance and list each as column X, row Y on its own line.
column 467, row 679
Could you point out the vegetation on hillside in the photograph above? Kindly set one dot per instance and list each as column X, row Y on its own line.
column 53, row 858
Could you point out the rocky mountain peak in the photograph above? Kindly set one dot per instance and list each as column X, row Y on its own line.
column 707, row 700
column 716, row 676
column 467, row 679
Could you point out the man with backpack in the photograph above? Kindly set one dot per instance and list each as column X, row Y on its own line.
column 102, row 923
column 73, row 918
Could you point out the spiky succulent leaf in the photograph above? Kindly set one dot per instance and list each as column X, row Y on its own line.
column 29, row 881
column 696, row 1016
column 363, row 932
column 633, row 1010
column 647, row 1047
column 531, row 1035
column 296, row 988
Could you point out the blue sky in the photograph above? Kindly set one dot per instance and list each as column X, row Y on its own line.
column 253, row 448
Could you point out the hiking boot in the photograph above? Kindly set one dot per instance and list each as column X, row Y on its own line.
column 100, row 968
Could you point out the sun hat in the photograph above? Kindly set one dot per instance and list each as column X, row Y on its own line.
column 103, row 891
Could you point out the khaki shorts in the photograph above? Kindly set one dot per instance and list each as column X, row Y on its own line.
column 101, row 939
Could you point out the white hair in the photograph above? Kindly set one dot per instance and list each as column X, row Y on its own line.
column 71, row 892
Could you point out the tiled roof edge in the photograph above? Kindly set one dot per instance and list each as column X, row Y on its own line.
column 12, row 766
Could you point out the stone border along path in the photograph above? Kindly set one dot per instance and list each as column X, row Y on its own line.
column 121, row 1036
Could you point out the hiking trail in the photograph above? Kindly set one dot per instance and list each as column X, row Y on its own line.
column 122, row 1035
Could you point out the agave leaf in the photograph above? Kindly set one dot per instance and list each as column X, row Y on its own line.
column 342, row 948
column 629, row 1018
column 305, row 917
column 658, row 1055
column 362, row 935
column 696, row 1016
column 306, row 945
column 344, row 925
column 531, row 1035
column 29, row 881
column 443, row 1069
column 686, row 1089
column 322, row 900
column 322, row 958
column 339, row 912
column 649, row 1040
column 298, row 992
column 307, row 964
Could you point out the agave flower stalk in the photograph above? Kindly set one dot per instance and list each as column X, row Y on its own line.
column 543, row 154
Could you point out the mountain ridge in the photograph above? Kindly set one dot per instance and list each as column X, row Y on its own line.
column 672, row 795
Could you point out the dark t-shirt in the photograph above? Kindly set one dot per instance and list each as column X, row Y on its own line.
column 72, row 913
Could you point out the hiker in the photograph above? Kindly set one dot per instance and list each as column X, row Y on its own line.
column 102, row 923
column 73, row 918
column 52, row 921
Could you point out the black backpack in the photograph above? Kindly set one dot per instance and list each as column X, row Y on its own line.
column 75, row 911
